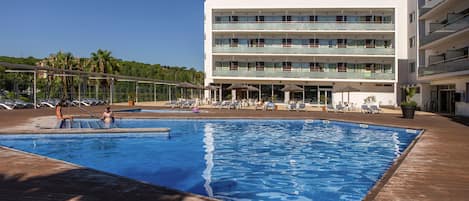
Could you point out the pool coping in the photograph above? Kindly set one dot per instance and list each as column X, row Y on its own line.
column 86, row 131
column 371, row 194
column 192, row 195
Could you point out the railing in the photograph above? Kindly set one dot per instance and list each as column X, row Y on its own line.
column 448, row 66
column 317, row 75
column 303, row 26
column 305, row 50
column 429, row 5
column 446, row 30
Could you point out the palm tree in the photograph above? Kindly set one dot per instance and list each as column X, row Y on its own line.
column 101, row 61
column 65, row 61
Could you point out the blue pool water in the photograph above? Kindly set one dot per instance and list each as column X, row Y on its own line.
column 237, row 159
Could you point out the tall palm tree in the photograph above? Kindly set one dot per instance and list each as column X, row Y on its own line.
column 101, row 61
column 65, row 61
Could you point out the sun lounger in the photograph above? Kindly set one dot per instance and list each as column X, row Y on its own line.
column 301, row 107
column 269, row 106
column 375, row 109
column 366, row 109
column 291, row 107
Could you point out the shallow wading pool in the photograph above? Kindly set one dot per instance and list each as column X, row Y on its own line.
column 238, row 159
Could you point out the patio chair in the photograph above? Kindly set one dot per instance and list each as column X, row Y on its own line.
column 259, row 106
column 291, row 107
column 224, row 104
column 234, row 105
column 269, row 106
column 330, row 108
column 375, row 109
column 340, row 108
column 366, row 109
column 301, row 107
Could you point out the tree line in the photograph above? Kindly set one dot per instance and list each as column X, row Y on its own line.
column 100, row 61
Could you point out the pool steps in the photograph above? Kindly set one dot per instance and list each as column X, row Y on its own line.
column 83, row 124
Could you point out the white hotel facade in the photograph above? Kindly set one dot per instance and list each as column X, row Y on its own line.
column 322, row 46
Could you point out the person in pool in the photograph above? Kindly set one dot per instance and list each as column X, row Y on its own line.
column 58, row 112
column 108, row 116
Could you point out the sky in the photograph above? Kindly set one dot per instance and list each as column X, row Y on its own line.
column 149, row 31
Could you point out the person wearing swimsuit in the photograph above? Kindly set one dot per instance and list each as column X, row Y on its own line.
column 108, row 116
column 59, row 114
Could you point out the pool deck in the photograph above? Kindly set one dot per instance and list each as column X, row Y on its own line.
column 436, row 168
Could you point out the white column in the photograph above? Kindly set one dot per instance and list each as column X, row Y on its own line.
column 35, row 89
column 233, row 94
column 136, row 92
column 111, row 89
column 287, row 96
column 169, row 93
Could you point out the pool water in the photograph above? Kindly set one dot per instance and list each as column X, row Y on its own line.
column 238, row 159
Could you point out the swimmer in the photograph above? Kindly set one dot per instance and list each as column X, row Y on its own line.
column 108, row 116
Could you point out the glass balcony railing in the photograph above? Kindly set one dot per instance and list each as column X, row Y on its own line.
column 303, row 26
column 446, row 30
column 311, row 75
column 305, row 50
column 445, row 67
column 430, row 5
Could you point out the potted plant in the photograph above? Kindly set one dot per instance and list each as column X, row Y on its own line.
column 131, row 99
column 409, row 106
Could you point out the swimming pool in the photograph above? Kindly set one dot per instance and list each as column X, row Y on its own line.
column 159, row 111
column 238, row 159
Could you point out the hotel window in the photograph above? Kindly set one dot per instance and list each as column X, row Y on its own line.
column 342, row 67
column 234, row 66
column 341, row 43
column 286, row 66
column 412, row 42
column 260, row 18
column 286, row 42
column 314, row 67
column 368, row 18
column 259, row 66
column 314, row 43
column 412, row 67
column 221, row 19
column 252, row 43
column 332, row 43
column 286, row 18
column 251, row 66
column 341, row 18
column 234, row 42
column 387, row 44
column 467, row 92
column 412, row 17
column 313, row 18
column 369, row 43
column 378, row 19
column 234, row 18
column 370, row 67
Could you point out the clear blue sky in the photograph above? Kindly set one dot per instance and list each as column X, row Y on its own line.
column 150, row 31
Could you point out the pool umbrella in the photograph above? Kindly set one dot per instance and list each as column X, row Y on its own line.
column 347, row 89
column 212, row 88
column 252, row 88
column 186, row 85
column 237, row 86
column 292, row 88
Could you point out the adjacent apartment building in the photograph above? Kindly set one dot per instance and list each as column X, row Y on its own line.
column 438, row 55
column 335, row 50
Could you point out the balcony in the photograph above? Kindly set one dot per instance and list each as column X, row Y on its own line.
column 306, row 75
column 440, row 31
column 429, row 6
column 448, row 66
column 305, row 50
column 303, row 26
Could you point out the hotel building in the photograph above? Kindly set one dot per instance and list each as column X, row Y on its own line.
column 438, row 52
column 323, row 46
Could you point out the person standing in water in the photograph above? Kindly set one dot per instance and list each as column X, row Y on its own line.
column 108, row 116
